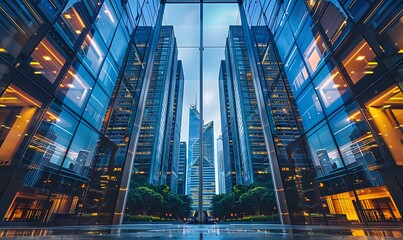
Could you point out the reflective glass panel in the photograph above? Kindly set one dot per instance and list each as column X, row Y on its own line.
column 360, row 62
column 297, row 72
column 93, row 52
column 76, row 87
column 355, row 140
column 52, row 139
column 47, row 60
column 17, row 108
column 71, row 22
column 119, row 46
column 96, row 107
column 309, row 108
column 18, row 21
column 386, row 113
column 81, row 152
column 108, row 75
column 331, row 88
column 106, row 22
column 324, row 152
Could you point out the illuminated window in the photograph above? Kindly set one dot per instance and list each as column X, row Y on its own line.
column 386, row 113
column 331, row 88
column 360, row 62
column 71, row 23
column 49, row 145
column 17, row 109
column 47, row 60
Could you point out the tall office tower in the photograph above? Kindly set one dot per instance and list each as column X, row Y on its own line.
column 192, row 180
column 151, row 160
column 232, row 166
column 174, row 144
column 59, row 62
column 246, row 122
column 182, row 161
column 343, row 63
column 221, row 189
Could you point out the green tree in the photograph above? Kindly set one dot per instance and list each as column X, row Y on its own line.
column 150, row 199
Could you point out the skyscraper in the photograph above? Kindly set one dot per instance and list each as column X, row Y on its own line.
column 153, row 144
column 220, row 167
column 342, row 64
column 240, row 117
column 59, row 64
column 182, row 168
column 232, row 166
column 173, row 153
column 192, row 181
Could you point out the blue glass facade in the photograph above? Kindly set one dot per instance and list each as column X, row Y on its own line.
column 192, row 175
column 245, row 135
column 182, row 161
column 341, row 62
column 59, row 64
column 173, row 154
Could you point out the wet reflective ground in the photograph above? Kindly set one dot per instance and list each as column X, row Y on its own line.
column 216, row 231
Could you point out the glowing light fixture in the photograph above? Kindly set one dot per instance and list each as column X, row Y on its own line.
column 47, row 58
column 360, row 58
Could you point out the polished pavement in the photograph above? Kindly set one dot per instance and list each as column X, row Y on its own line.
column 213, row 231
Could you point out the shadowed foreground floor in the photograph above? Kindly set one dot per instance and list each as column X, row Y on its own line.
column 213, row 231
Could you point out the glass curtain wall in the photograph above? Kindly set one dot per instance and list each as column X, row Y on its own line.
column 60, row 62
column 341, row 61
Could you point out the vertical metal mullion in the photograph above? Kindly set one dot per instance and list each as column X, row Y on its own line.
column 201, row 157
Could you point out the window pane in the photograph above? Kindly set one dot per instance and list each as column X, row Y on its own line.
column 81, row 153
column 47, row 60
column 17, row 24
column 386, row 113
column 106, row 22
column 360, row 62
column 331, row 88
column 75, row 88
column 324, row 152
column 17, row 108
column 314, row 50
column 71, row 22
column 119, row 46
column 309, row 108
column 50, row 142
column 297, row 73
column 355, row 140
column 333, row 20
column 93, row 52
column 108, row 75
column 96, row 107
column 386, row 26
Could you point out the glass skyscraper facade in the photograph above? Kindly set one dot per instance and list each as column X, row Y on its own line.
column 238, row 101
column 342, row 61
column 173, row 154
column 60, row 61
column 310, row 93
column 182, row 161
column 155, row 137
column 192, row 175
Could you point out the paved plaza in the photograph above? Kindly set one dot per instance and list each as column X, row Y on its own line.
column 213, row 231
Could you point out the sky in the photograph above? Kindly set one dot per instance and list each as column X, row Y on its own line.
column 185, row 18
